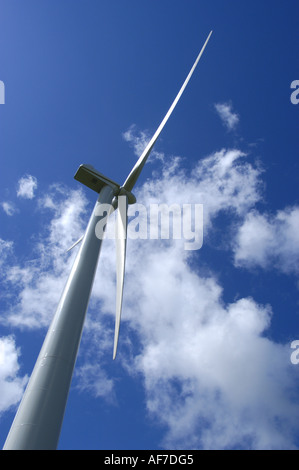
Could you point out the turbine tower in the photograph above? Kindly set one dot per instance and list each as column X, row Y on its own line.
column 38, row 421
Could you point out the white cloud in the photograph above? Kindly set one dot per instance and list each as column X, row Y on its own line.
column 8, row 208
column 93, row 379
column 11, row 384
column 269, row 241
column 222, row 182
column 6, row 247
column 139, row 140
column 210, row 374
column 26, row 187
column 227, row 116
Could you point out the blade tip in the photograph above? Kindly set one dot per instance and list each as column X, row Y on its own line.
column 114, row 351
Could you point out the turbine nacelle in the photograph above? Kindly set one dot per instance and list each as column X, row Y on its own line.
column 95, row 180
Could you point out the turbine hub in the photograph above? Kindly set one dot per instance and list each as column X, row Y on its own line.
column 130, row 196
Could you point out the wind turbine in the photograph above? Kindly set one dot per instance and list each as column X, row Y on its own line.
column 38, row 421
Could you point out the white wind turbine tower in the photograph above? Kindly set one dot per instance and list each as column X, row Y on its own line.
column 38, row 421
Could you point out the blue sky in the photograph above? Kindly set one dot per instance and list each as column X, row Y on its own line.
column 204, row 357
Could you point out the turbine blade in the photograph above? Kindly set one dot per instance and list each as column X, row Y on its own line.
column 76, row 243
column 121, row 244
column 134, row 174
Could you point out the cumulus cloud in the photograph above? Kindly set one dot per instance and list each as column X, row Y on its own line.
column 11, row 384
column 269, row 241
column 26, row 187
column 8, row 208
column 223, row 182
column 227, row 116
column 211, row 376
